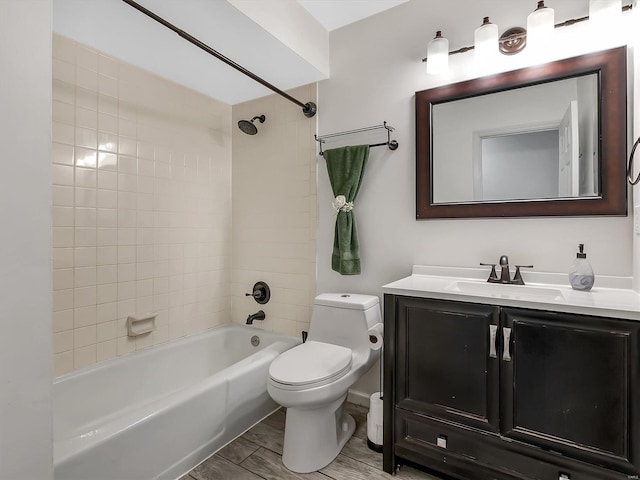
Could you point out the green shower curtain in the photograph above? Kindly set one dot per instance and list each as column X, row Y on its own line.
column 345, row 166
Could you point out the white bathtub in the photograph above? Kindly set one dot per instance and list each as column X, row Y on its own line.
column 157, row 413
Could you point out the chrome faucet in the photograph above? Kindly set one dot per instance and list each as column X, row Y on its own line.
column 259, row 315
column 505, row 275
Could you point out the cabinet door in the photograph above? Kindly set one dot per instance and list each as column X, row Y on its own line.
column 568, row 384
column 447, row 363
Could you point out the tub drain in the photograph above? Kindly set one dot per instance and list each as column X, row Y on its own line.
column 255, row 340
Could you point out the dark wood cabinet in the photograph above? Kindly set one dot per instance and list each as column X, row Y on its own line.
column 487, row 392
column 446, row 368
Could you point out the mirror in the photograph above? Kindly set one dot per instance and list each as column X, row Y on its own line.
column 545, row 140
column 539, row 142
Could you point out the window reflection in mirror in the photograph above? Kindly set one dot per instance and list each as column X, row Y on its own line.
column 536, row 142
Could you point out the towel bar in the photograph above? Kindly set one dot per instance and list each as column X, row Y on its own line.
column 392, row 144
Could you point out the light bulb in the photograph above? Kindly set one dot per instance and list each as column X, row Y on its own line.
column 486, row 41
column 540, row 27
column 438, row 55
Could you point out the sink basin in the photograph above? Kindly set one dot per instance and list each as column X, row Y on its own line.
column 517, row 292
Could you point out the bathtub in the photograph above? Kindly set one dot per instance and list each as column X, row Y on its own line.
column 157, row 413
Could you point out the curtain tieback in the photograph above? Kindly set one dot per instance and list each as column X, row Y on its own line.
column 340, row 204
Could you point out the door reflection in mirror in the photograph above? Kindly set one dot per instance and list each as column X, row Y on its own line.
column 519, row 166
column 536, row 142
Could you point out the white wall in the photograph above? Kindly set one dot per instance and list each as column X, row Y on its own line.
column 375, row 70
column 25, row 256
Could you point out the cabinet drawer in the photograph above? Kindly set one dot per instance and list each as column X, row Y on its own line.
column 470, row 454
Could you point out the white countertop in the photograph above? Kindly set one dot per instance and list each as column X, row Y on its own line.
column 610, row 296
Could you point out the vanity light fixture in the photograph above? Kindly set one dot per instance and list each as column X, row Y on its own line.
column 438, row 55
column 540, row 27
column 486, row 41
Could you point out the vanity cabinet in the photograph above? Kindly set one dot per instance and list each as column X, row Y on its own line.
column 478, row 391
column 447, row 369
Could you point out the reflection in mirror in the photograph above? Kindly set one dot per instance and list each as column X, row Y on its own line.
column 536, row 142
column 518, row 166
column 544, row 140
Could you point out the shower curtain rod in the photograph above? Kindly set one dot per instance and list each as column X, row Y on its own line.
column 309, row 109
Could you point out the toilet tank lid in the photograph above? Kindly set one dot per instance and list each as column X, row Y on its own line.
column 354, row 301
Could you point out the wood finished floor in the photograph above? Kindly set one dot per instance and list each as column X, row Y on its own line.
column 257, row 455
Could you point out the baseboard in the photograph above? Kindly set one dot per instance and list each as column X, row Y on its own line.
column 358, row 398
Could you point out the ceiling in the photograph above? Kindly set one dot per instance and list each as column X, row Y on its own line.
column 119, row 30
column 334, row 14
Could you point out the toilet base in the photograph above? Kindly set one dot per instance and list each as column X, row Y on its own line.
column 314, row 437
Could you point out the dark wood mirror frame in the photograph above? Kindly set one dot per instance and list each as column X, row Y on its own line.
column 610, row 65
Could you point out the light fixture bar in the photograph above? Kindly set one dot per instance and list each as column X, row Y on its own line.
column 504, row 39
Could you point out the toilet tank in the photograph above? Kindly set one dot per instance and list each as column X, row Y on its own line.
column 344, row 319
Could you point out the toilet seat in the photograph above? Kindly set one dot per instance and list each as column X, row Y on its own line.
column 311, row 364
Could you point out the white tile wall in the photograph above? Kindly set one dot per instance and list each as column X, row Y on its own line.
column 141, row 207
column 274, row 212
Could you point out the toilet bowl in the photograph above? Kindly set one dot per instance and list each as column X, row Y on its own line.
column 312, row 379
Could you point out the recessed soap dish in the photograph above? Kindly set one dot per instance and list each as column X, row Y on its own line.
column 140, row 325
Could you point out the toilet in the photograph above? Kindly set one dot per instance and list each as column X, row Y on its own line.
column 312, row 379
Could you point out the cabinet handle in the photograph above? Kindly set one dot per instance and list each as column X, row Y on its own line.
column 493, row 334
column 506, row 333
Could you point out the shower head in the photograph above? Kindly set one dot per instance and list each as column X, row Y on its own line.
column 248, row 127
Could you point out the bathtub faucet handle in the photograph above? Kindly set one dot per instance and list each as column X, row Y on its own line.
column 261, row 293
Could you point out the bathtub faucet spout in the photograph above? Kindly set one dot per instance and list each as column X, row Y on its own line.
column 259, row 315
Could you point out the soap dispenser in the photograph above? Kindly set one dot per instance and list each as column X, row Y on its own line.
column 581, row 274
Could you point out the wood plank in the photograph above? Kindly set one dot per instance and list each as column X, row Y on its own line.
column 344, row 467
column 354, row 409
column 238, row 450
column 218, row 468
column 357, row 449
column 268, row 465
column 266, row 436
column 276, row 419
column 347, row 468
